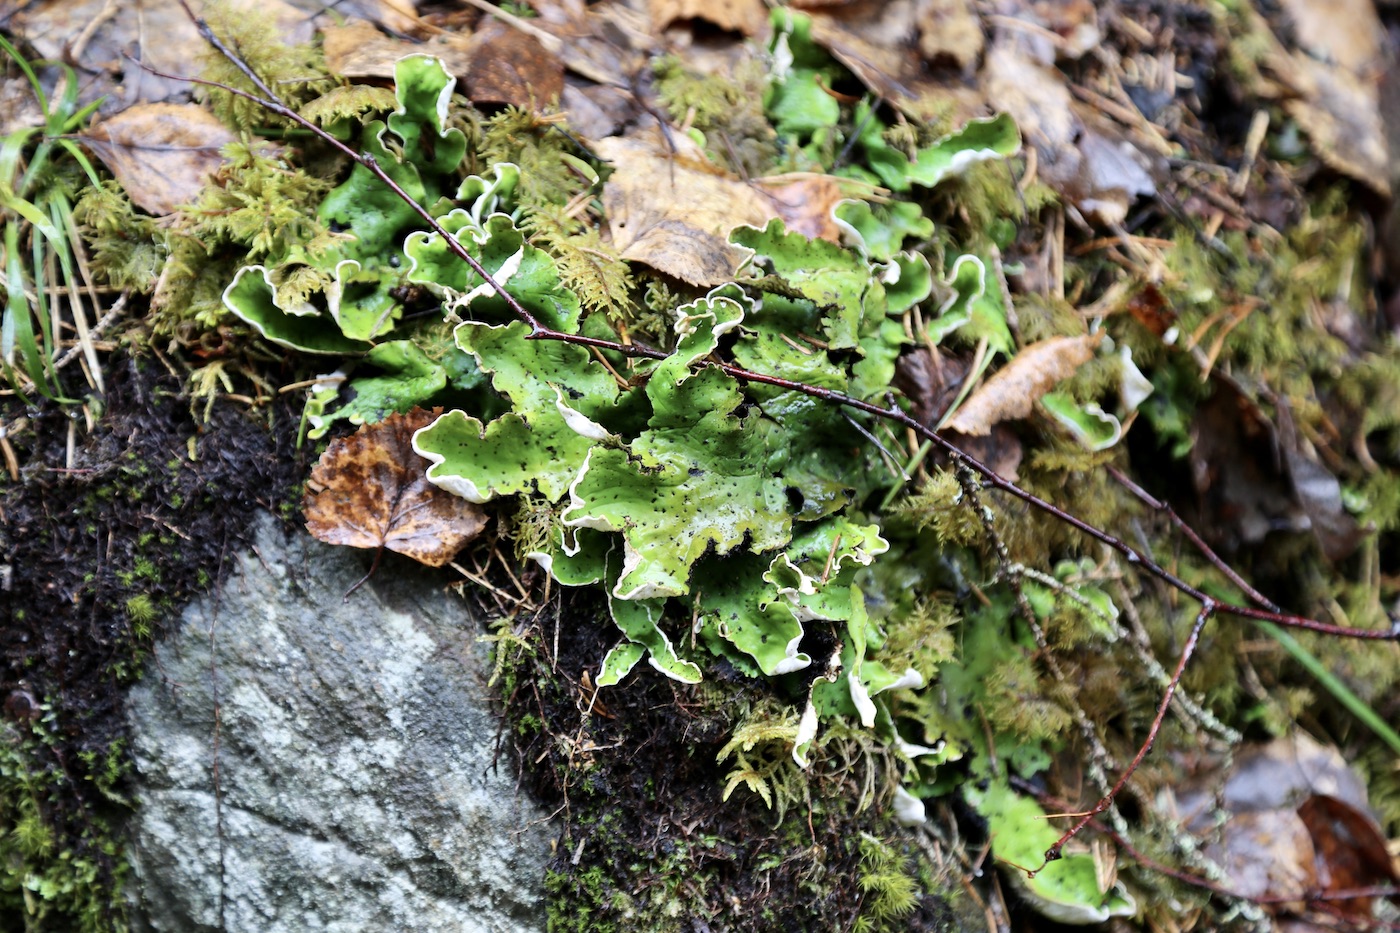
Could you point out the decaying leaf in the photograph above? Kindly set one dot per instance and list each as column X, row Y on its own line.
column 1349, row 851
column 805, row 203
column 950, row 29
column 673, row 210
column 1325, row 82
column 1296, row 823
column 123, row 44
column 161, row 153
column 1348, row 32
column 744, row 16
column 1255, row 474
column 1081, row 155
column 358, row 50
column 511, row 67
column 1012, row 392
column 370, row 490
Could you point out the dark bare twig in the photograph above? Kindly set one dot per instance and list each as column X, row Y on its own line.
column 1152, row 502
column 1208, row 608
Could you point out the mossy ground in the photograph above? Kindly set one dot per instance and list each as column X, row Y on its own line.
column 646, row 839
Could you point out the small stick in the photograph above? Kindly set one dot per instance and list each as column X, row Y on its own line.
column 1208, row 607
column 1152, row 502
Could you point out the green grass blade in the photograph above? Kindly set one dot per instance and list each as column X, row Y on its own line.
column 1335, row 686
column 17, row 330
column 28, row 73
column 35, row 216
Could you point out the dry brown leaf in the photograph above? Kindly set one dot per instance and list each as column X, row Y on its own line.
column 604, row 42
column 1267, row 853
column 805, row 201
column 509, row 66
column 1012, row 391
column 359, row 50
column 949, row 29
column 371, row 490
column 674, row 211
column 876, row 41
column 160, row 153
column 121, row 41
column 1340, row 112
column 398, row 16
column 1328, row 86
column 19, row 108
column 746, row 16
column 1298, row 824
column 1083, row 157
column 596, row 110
column 891, row 46
column 1348, row 32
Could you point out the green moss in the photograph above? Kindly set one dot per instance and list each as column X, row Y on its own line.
column 43, row 884
column 298, row 73
column 728, row 109
column 887, row 885
column 126, row 247
column 141, row 610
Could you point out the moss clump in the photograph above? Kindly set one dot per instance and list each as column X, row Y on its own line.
column 52, row 881
column 727, row 109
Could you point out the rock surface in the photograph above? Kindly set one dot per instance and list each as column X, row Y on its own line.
column 357, row 783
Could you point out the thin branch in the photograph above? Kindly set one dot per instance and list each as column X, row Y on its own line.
column 1208, row 607
column 1152, row 502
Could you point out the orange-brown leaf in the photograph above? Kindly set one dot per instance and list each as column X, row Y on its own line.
column 1012, row 392
column 371, row 490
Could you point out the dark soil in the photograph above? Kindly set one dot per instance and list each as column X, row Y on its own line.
column 637, row 789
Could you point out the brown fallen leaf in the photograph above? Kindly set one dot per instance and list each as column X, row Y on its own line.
column 877, row 42
column 1325, row 80
column 603, row 42
column 1149, row 307
column 371, row 490
column 1293, row 823
column 1340, row 112
column 745, row 16
column 804, row 201
column 1082, row 156
column 1257, row 475
column 1012, row 391
column 359, row 50
column 673, row 210
column 162, row 154
column 114, row 47
column 896, row 50
column 509, row 66
column 1267, row 853
column 1348, row 32
column 594, row 110
column 1349, row 849
column 950, row 29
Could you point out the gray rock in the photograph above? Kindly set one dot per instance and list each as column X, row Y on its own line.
column 358, row 786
